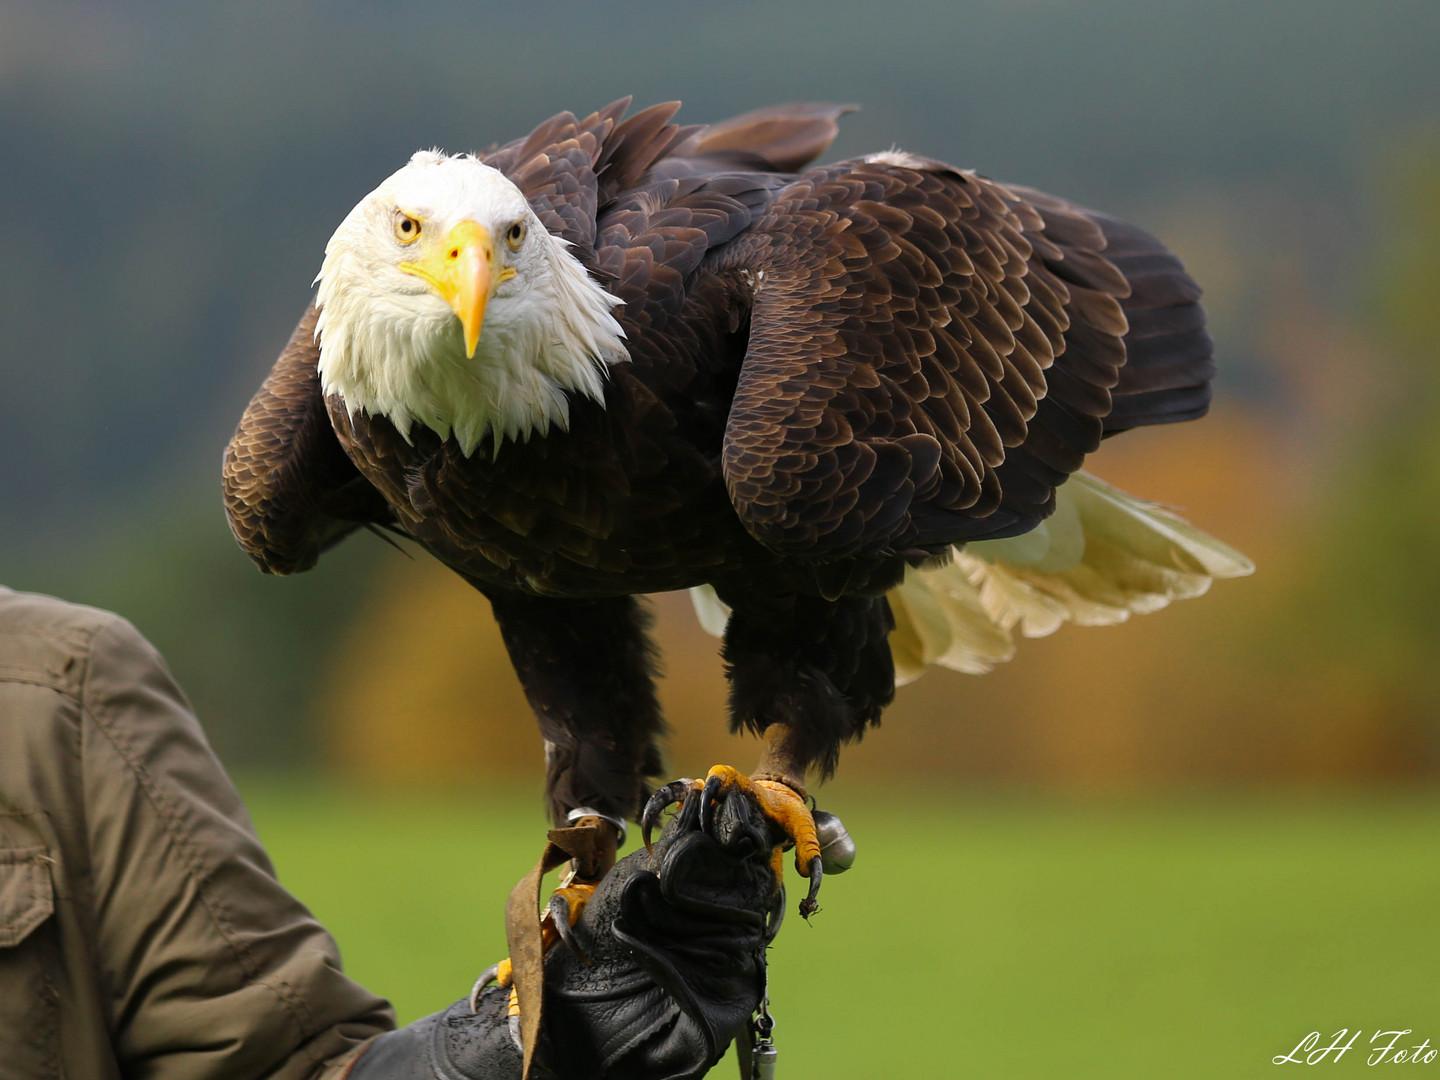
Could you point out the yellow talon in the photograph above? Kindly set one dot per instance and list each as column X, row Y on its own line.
column 789, row 810
column 783, row 806
column 578, row 894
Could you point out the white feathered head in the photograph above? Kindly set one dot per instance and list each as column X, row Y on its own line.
column 444, row 300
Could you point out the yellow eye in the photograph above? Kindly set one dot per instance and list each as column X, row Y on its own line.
column 407, row 229
column 515, row 236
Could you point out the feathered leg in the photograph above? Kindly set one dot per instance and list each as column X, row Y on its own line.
column 587, row 667
column 821, row 668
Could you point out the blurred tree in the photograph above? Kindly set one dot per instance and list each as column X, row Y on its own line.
column 1376, row 572
column 245, row 648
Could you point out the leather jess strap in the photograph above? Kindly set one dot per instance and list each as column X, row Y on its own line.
column 590, row 842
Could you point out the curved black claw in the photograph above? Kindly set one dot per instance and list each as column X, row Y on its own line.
column 560, row 916
column 486, row 978
column 709, row 798
column 776, row 915
column 668, row 795
column 810, row 904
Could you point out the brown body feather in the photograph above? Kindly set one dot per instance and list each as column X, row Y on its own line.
column 831, row 375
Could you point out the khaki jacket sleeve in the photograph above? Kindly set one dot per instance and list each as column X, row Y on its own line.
column 213, row 969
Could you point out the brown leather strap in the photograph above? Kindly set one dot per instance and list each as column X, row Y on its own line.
column 591, row 843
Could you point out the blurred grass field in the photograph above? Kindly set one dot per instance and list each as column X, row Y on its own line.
column 988, row 936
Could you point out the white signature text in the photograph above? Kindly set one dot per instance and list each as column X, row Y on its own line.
column 1384, row 1047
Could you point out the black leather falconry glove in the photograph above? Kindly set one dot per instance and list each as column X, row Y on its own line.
column 675, row 948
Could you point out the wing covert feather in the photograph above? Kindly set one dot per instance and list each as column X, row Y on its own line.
column 290, row 489
column 932, row 352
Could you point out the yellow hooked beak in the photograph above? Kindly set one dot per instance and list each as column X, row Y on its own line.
column 462, row 270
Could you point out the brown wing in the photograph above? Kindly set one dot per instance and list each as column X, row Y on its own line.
column 290, row 490
column 931, row 353
column 572, row 170
column 1168, row 358
column 642, row 200
column 555, row 167
column 569, row 168
column 779, row 138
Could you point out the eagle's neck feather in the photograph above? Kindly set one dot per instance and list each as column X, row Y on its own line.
column 538, row 347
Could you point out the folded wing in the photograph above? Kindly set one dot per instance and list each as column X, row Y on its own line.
column 932, row 353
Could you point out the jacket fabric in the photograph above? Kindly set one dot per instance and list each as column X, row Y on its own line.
column 143, row 933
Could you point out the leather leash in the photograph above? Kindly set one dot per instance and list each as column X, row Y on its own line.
column 590, row 842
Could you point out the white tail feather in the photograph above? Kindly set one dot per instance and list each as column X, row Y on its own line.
column 1102, row 555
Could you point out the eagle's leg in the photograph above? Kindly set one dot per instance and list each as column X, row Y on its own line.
column 587, row 668
column 808, row 674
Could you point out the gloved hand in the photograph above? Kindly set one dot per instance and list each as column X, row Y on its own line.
column 675, row 947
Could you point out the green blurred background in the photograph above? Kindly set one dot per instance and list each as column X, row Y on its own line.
column 1173, row 847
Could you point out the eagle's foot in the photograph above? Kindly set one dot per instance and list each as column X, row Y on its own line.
column 588, row 868
column 567, row 903
column 792, row 824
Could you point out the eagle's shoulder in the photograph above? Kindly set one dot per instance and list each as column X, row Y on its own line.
column 569, row 168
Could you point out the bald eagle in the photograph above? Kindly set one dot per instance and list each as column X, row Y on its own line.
column 847, row 404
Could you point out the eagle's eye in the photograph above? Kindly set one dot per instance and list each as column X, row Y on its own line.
column 516, row 235
column 406, row 227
